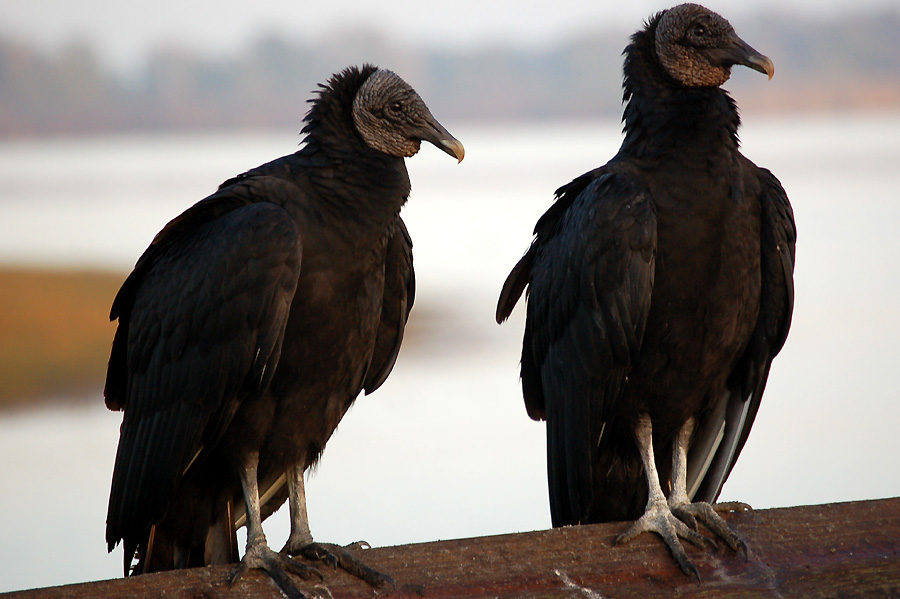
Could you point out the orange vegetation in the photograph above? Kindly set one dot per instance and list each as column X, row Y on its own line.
column 55, row 332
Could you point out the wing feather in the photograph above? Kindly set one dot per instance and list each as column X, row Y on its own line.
column 399, row 295
column 590, row 276
column 714, row 453
column 201, row 320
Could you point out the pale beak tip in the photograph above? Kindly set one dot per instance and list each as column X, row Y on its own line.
column 455, row 148
column 763, row 64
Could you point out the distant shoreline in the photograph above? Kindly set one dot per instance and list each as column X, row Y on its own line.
column 822, row 64
column 56, row 333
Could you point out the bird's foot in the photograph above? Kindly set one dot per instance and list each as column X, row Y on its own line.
column 658, row 518
column 707, row 513
column 277, row 566
column 337, row 556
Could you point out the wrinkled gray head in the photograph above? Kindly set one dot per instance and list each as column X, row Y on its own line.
column 698, row 47
column 392, row 118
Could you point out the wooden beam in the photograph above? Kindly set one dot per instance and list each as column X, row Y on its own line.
column 835, row 550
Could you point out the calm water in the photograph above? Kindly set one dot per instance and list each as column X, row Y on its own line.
column 444, row 449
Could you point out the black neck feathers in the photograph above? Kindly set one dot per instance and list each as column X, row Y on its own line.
column 661, row 115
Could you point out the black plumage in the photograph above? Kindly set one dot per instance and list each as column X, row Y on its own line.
column 250, row 325
column 660, row 288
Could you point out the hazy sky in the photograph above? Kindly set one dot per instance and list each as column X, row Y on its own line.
column 123, row 31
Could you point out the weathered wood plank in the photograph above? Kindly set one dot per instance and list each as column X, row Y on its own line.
column 825, row 551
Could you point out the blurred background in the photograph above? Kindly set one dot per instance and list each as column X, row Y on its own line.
column 115, row 117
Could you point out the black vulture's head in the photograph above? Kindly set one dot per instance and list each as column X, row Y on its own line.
column 697, row 47
column 392, row 118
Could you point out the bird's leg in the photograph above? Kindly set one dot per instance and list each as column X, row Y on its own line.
column 657, row 516
column 258, row 555
column 300, row 535
column 685, row 510
column 300, row 541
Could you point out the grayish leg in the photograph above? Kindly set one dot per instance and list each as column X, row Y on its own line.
column 300, row 541
column 679, row 496
column 258, row 555
column 689, row 512
column 300, row 535
column 657, row 516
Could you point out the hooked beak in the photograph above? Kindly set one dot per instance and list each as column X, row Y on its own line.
column 434, row 133
column 453, row 147
column 740, row 52
column 761, row 63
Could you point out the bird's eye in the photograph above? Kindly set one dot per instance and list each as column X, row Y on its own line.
column 396, row 107
column 699, row 31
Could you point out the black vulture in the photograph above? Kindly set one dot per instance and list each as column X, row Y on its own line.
column 250, row 325
column 660, row 288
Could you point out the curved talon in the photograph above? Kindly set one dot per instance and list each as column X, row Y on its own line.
column 277, row 566
column 743, row 551
column 707, row 513
column 319, row 552
column 685, row 516
column 302, row 570
column 687, row 566
column 237, row 573
column 356, row 567
column 337, row 556
column 659, row 518
column 690, row 535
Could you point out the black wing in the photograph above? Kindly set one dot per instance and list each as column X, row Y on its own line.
column 590, row 274
column 399, row 294
column 201, row 321
column 719, row 442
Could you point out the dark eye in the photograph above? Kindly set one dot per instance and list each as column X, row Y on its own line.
column 699, row 30
column 396, row 107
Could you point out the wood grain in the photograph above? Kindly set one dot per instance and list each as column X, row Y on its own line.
column 822, row 551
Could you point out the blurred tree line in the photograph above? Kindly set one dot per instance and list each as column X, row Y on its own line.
column 836, row 64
